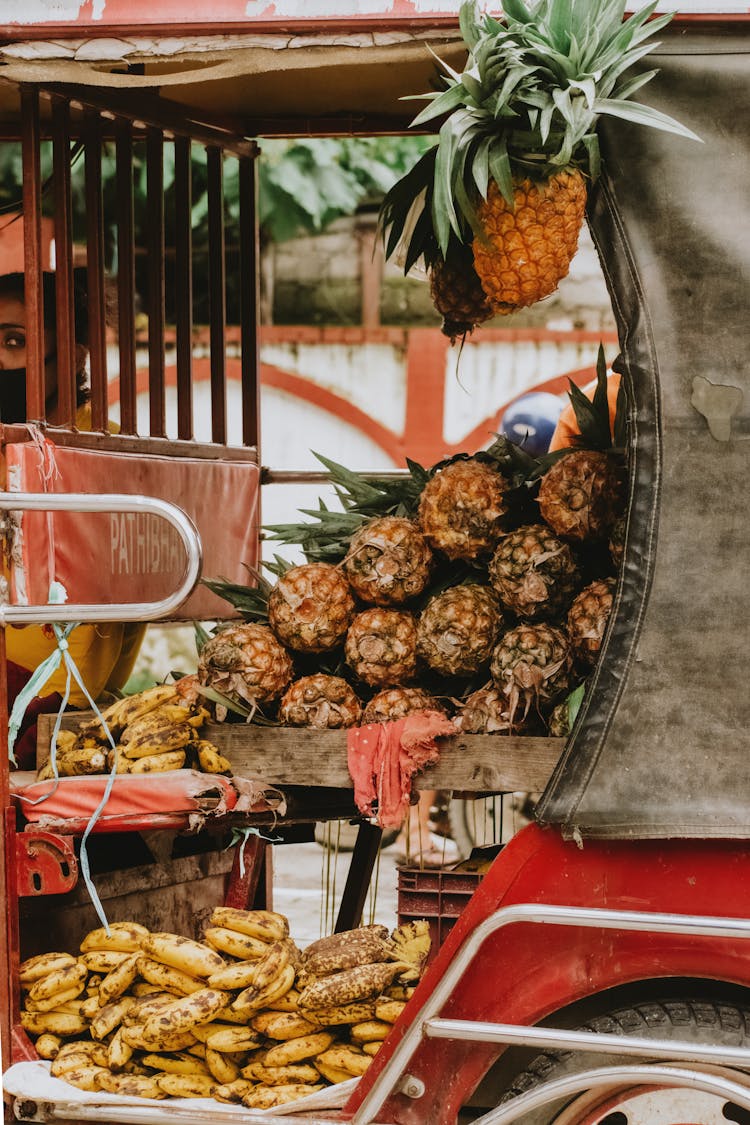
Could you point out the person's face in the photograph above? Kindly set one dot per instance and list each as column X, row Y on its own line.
column 13, row 359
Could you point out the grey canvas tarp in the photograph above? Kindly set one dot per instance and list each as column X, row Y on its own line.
column 662, row 745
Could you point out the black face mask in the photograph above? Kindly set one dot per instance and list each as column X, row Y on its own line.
column 13, row 395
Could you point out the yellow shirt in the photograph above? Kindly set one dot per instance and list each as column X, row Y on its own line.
column 104, row 654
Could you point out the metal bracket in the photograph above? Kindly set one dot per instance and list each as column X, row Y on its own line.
column 46, row 864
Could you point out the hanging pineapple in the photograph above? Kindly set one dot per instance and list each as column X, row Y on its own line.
column 517, row 143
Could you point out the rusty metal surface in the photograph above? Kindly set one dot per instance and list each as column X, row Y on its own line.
column 662, row 746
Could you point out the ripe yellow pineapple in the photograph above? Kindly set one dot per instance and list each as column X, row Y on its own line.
column 517, row 143
column 320, row 701
column 395, row 703
column 458, row 629
column 381, row 647
column 526, row 246
column 245, row 662
column 533, row 573
column 461, row 508
column 311, row 607
column 388, row 561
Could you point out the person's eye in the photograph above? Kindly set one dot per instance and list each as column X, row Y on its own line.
column 14, row 340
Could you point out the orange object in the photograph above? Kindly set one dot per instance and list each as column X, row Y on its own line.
column 567, row 426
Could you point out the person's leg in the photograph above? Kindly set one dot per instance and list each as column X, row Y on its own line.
column 416, row 842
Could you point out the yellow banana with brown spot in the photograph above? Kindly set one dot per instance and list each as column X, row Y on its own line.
column 191, row 957
column 186, row 1085
column 265, row 925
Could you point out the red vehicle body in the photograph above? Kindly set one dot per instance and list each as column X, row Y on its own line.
column 643, row 828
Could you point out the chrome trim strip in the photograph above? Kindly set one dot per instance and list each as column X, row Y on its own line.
column 587, row 917
column 556, row 1039
column 113, row 502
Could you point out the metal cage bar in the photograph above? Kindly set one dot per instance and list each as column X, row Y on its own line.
column 95, row 271
column 65, row 348
column 32, row 255
column 249, row 255
column 126, row 276
column 156, row 280
column 184, row 285
column 217, row 292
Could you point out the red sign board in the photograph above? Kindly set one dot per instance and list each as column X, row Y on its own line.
column 106, row 558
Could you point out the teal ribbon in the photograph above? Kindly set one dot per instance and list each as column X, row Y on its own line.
column 57, row 595
column 240, row 836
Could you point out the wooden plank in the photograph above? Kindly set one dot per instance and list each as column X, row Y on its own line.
column 474, row 763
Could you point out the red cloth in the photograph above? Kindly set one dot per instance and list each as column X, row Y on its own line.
column 384, row 757
column 25, row 745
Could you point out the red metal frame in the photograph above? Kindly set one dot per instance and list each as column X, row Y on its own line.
column 168, row 18
column 536, row 971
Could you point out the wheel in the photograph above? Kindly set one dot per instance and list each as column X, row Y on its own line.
column 695, row 1021
column 487, row 820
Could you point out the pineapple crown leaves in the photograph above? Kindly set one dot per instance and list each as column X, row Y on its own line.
column 592, row 415
column 326, row 537
column 529, row 99
column 250, row 601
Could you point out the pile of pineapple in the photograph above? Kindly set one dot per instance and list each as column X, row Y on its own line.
column 481, row 588
column 243, row 1016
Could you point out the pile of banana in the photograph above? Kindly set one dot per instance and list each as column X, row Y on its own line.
column 243, row 1016
column 155, row 731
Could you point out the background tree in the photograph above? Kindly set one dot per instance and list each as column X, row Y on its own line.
column 305, row 184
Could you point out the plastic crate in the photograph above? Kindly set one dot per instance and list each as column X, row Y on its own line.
column 437, row 896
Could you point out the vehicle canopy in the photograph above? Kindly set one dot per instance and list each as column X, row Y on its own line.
column 660, row 746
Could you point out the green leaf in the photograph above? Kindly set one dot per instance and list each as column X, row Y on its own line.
column 500, row 169
column 517, row 10
column 468, row 22
column 201, row 636
column 441, row 104
column 643, row 115
column 591, row 143
column 574, row 701
column 480, row 166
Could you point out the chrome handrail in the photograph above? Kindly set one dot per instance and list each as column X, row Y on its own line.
column 390, row 1077
column 106, row 502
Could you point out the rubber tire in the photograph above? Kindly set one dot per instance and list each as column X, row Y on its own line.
column 692, row 1020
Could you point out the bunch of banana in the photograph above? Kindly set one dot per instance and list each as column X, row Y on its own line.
column 155, row 730
column 242, row 1016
